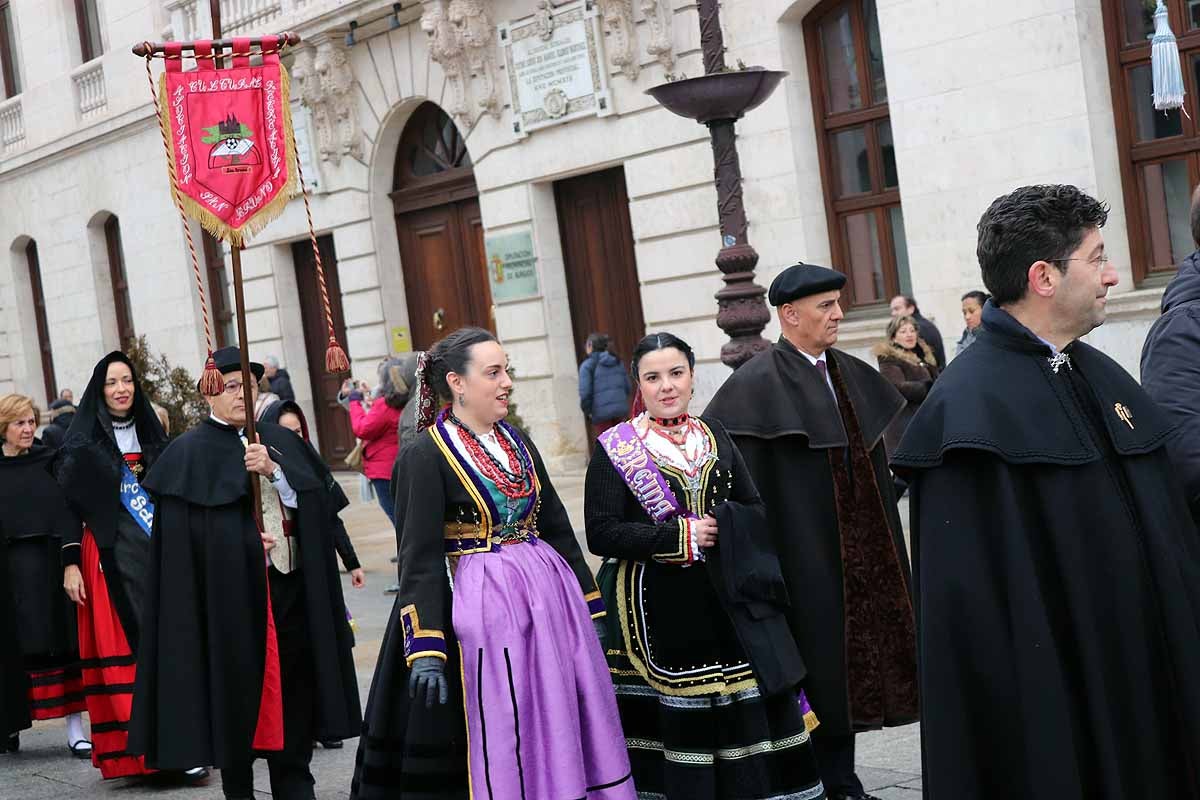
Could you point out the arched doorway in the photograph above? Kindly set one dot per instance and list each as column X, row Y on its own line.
column 439, row 228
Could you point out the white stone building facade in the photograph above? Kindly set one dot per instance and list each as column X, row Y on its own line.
column 981, row 97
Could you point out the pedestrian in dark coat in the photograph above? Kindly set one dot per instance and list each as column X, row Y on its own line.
column 909, row 364
column 1171, row 368
column 604, row 386
column 1056, row 564
column 278, row 379
column 809, row 421
column 62, row 413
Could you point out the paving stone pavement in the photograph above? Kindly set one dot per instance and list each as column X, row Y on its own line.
column 889, row 761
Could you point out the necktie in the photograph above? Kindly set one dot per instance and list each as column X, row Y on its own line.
column 824, row 370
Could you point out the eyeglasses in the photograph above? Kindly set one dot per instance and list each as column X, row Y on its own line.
column 1101, row 261
column 233, row 387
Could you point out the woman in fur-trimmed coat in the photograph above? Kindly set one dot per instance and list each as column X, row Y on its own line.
column 910, row 365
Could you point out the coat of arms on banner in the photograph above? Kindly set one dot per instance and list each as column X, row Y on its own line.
column 231, row 139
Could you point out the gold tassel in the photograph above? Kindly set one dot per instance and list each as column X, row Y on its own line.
column 811, row 722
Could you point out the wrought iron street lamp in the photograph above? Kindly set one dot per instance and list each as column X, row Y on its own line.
column 718, row 99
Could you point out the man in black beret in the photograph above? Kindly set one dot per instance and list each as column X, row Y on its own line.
column 243, row 654
column 809, row 421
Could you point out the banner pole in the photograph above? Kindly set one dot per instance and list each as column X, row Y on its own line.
column 239, row 300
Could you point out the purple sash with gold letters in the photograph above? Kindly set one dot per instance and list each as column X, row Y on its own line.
column 632, row 460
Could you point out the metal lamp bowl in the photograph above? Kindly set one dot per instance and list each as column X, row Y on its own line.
column 718, row 95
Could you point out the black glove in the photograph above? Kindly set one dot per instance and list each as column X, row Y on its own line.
column 601, row 631
column 428, row 676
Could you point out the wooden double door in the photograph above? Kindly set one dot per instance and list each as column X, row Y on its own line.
column 445, row 271
column 602, row 279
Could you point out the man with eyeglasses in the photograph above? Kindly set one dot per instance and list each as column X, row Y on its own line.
column 243, row 654
column 1056, row 565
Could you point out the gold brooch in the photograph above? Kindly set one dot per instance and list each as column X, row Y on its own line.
column 1124, row 414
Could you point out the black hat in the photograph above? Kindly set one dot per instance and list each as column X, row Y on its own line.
column 802, row 280
column 229, row 359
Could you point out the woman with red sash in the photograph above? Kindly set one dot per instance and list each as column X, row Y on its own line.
column 39, row 671
column 113, row 440
column 705, row 669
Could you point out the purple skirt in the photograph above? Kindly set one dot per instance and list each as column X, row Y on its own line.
column 542, row 718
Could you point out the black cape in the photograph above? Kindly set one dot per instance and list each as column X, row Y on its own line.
column 319, row 499
column 88, row 467
column 37, row 620
column 341, row 540
column 1058, row 580
column 784, row 420
column 200, row 670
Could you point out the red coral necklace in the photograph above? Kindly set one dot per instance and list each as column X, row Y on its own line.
column 513, row 481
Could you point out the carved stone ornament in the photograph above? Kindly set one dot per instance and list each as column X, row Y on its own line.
column 544, row 19
column 324, row 82
column 622, row 36
column 659, row 16
column 477, row 33
column 446, row 50
column 461, row 40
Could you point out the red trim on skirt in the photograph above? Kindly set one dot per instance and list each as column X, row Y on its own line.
column 55, row 693
column 108, row 671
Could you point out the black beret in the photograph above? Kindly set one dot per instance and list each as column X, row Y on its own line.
column 229, row 359
column 802, row 280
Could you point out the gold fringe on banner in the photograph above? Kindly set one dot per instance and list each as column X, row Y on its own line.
column 237, row 237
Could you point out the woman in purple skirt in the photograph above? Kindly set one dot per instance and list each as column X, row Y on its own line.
column 491, row 681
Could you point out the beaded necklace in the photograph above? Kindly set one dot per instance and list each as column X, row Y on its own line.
column 513, row 481
column 693, row 457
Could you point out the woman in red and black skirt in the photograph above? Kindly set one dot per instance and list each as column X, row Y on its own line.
column 40, row 668
column 113, row 440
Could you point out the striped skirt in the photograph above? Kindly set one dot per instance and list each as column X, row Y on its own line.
column 55, row 692
column 109, row 667
column 716, row 747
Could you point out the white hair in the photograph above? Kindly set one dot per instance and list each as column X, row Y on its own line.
column 271, row 361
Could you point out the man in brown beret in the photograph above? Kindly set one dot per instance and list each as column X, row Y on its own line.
column 809, row 420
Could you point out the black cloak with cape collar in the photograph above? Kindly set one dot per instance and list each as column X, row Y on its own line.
column 35, row 614
column 319, row 499
column 341, row 539
column 1057, row 576
column 836, row 529
column 203, row 672
column 88, row 465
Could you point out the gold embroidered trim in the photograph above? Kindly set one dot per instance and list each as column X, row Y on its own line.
column 712, row 682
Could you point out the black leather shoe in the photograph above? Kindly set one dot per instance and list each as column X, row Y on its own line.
column 863, row 796
column 12, row 744
column 393, row 589
column 331, row 744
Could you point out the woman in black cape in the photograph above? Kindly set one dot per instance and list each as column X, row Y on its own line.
column 113, row 441
column 40, row 669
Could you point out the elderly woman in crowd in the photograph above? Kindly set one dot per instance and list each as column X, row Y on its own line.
column 39, row 664
column 910, row 365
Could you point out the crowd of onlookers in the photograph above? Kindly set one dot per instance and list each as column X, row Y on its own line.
column 912, row 355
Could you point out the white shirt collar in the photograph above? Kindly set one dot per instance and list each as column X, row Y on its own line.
column 215, row 418
column 812, row 359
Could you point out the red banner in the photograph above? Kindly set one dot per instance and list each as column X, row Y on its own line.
column 231, row 138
